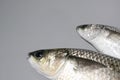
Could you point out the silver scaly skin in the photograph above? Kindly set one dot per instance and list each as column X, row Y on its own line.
column 104, row 38
column 75, row 64
column 107, row 61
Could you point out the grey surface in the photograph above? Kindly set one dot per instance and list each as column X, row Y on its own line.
column 27, row 25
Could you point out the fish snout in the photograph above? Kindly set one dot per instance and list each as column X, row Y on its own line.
column 82, row 30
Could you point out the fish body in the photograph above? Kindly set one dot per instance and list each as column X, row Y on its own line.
column 105, row 39
column 75, row 64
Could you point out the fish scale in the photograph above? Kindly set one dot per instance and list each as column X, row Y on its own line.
column 110, row 62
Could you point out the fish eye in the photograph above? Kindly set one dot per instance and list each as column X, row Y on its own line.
column 39, row 54
column 83, row 26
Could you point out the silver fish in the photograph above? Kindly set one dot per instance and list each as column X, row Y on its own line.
column 75, row 64
column 105, row 39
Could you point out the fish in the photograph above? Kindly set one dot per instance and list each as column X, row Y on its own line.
column 105, row 39
column 74, row 64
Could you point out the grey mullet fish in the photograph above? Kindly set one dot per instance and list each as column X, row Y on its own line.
column 104, row 38
column 75, row 64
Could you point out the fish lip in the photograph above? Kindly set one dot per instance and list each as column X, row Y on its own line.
column 29, row 55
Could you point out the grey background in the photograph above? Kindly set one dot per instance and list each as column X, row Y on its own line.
column 28, row 25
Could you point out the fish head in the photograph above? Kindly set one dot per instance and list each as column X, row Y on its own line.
column 90, row 31
column 48, row 62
